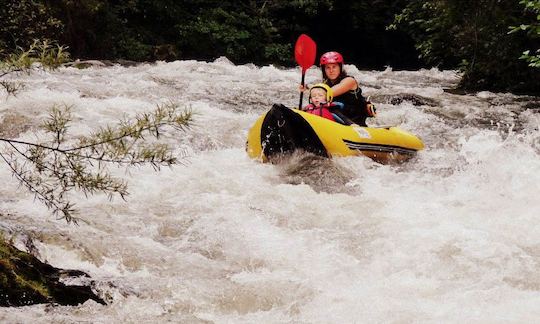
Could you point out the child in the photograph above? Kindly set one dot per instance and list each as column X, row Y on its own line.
column 320, row 100
column 320, row 103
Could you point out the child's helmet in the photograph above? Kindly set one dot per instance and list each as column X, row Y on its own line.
column 331, row 57
column 329, row 92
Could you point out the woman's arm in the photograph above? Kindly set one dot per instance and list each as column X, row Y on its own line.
column 345, row 85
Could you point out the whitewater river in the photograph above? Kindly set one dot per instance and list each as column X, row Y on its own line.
column 452, row 236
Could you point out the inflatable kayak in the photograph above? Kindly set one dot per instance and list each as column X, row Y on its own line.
column 283, row 130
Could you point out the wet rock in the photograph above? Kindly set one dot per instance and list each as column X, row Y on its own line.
column 25, row 280
column 533, row 105
column 165, row 52
column 458, row 91
column 398, row 99
column 84, row 64
column 416, row 100
column 127, row 63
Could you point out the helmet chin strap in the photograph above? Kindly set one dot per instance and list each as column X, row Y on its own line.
column 322, row 103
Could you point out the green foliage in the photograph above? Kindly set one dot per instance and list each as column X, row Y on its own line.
column 220, row 28
column 471, row 35
column 132, row 48
column 532, row 30
column 53, row 168
column 48, row 54
column 358, row 29
column 40, row 54
column 25, row 280
column 242, row 31
column 23, row 21
column 255, row 31
column 16, row 281
column 426, row 25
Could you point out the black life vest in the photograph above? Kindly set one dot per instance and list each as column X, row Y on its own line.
column 355, row 105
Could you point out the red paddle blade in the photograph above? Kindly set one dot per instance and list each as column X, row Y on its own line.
column 305, row 51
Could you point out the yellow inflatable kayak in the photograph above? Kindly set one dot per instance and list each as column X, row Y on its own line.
column 282, row 130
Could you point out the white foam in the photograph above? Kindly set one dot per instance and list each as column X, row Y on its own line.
column 451, row 236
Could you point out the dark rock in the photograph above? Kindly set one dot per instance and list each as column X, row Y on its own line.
column 166, row 52
column 399, row 98
column 101, row 63
column 127, row 63
column 416, row 100
column 533, row 105
column 458, row 91
column 25, row 280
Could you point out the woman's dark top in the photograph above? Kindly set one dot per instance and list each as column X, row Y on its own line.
column 354, row 103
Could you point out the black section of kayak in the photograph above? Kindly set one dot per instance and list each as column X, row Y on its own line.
column 284, row 131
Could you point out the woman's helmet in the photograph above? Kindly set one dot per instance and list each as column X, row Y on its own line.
column 329, row 92
column 331, row 57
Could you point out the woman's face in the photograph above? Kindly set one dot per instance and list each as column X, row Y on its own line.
column 332, row 70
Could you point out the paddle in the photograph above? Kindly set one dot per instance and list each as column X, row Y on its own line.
column 304, row 53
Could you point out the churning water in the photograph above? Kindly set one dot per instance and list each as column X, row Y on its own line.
column 451, row 236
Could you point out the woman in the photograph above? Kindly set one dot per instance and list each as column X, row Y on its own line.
column 345, row 89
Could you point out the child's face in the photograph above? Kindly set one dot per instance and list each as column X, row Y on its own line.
column 318, row 95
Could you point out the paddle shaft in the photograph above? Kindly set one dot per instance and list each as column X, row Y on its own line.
column 302, row 92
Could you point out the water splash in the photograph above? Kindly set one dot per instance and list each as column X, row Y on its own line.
column 450, row 236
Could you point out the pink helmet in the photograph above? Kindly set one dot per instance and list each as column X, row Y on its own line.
column 331, row 57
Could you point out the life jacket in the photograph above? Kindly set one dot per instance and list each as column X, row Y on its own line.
column 355, row 106
column 321, row 110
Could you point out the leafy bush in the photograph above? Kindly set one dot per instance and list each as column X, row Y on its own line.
column 533, row 31
column 472, row 35
column 23, row 21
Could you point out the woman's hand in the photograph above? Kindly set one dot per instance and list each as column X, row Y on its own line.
column 371, row 110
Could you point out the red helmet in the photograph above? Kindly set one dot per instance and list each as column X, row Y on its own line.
column 331, row 57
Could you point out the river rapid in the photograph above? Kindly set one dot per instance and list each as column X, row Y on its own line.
column 451, row 236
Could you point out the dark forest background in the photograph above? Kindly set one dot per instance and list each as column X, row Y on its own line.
column 494, row 42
